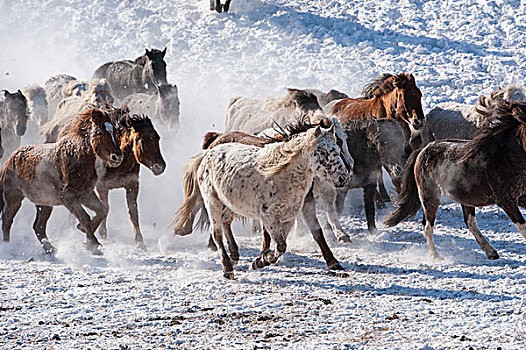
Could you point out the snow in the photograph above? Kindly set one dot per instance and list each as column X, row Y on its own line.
column 174, row 295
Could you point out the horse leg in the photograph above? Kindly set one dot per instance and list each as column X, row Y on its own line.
column 256, row 227
column 381, row 188
column 215, row 209
column 212, row 5
column 72, row 202
column 103, row 195
column 132, row 192
column 430, row 211
column 333, row 218
column 39, row 226
column 218, row 7
column 233, row 249
column 226, row 6
column 380, row 203
column 211, row 244
column 12, row 203
column 309, row 213
column 512, row 210
column 91, row 201
column 340, row 201
column 471, row 223
column 260, row 262
column 368, row 200
column 278, row 232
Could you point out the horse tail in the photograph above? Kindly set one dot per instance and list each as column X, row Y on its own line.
column 408, row 200
column 101, row 71
column 209, row 138
column 185, row 215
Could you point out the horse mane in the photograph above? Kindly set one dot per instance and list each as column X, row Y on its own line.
column 372, row 89
column 485, row 105
column 506, row 118
column 34, row 90
column 80, row 126
column 291, row 130
column 302, row 99
column 126, row 121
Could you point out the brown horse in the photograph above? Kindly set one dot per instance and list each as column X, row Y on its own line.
column 139, row 142
column 490, row 169
column 61, row 173
column 14, row 114
column 392, row 96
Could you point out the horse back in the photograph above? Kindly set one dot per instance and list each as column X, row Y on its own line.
column 353, row 108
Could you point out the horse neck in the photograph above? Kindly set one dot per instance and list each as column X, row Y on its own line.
column 126, row 146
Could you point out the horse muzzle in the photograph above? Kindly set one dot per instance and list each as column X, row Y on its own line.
column 158, row 168
column 417, row 123
column 115, row 160
column 21, row 129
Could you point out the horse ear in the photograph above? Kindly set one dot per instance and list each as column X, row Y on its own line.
column 317, row 131
column 163, row 52
column 6, row 93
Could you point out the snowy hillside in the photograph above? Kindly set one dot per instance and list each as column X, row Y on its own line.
column 174, row 295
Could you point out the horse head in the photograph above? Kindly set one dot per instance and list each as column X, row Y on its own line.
column 409, row 100
column 145, row 142
column 169, row 104
column 37, row 103
column 99, row 93
column 155, row 65
column 326, row 159
column 16, row 111
column 102, row 137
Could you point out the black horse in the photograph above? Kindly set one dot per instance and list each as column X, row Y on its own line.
column 216, row 5
column 143, row 74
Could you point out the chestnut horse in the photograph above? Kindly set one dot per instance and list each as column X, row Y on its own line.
column 490, row 169
column 61, row 173
column 392, row 96
column 139, row 142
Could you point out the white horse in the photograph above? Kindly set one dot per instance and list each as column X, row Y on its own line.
column 38, row 111
column 269, row 184
column 254, row 116
column 97, row 95
column 163, row 105
column 451, row 120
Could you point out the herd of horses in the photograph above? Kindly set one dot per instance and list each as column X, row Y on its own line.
column 276, row 159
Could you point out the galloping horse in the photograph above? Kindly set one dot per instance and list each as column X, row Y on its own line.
column 13, row 119
column 268, row 183
column 139, row 143
column 490, row 169
column 59, row 87
column 61, row 173
column 184, row 222
column 128, row 77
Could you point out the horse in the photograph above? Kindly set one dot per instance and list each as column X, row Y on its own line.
column 393, row 96
column 162, row 106
column 373, row 143
column 37, row 104
column 218, row 7
column 213, row 139
column 98, row 95
column 140, row 76
column 456, row 120
column 490, row 169
column 62, row 173
column 14, row 114
column 60, row 87
column 139, row 143
column 253, row 116
column 327, row 98
column 268, row 183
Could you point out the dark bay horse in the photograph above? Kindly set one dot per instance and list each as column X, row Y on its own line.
column 139, row 142
column 14, row 114
column 61, row 173
column 143, row 74
column 218, row 7
column 490, row 169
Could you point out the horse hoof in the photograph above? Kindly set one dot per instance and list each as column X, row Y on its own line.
column 94, row 248
column 381, row 205
column 436, row 258
column 340, row 274
column 336, row 267
column 373, row 232
column 226, row 7
column 212, row 247
column 229, row 275
column 48, row 247
column 234, row 262
column 493, row 255
column 141, row 246
column 344, row 239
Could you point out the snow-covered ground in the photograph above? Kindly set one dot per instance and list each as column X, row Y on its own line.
column 174, row 295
